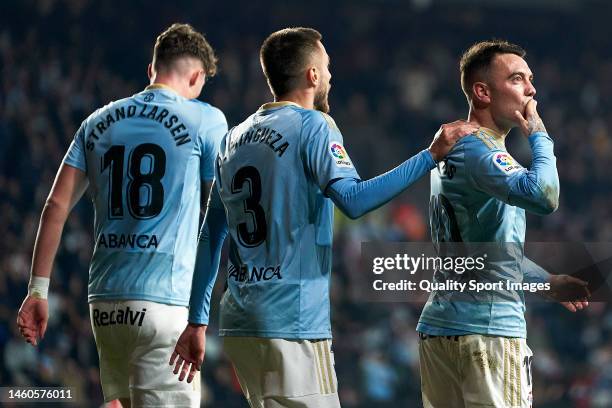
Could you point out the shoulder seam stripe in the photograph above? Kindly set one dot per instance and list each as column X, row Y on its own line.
column 485, row 141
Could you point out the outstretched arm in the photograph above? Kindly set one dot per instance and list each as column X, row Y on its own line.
column 355, row 197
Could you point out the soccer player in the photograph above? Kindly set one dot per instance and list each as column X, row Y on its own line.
column 144, row 159
column 473, row 351
column 278, row 175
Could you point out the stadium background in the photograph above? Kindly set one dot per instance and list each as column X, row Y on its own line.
column 395, row 80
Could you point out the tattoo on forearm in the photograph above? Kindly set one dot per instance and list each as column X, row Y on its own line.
column 535, row 124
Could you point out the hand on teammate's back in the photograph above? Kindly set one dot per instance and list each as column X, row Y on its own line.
column 32, row 319
column 189, row 349
column 531, row 122
column 446, row 137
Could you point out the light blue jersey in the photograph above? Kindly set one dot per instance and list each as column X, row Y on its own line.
column 145, row 158
column 479, row 195
column 272, row 171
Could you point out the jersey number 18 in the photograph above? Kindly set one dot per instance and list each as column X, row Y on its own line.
column 147, row 184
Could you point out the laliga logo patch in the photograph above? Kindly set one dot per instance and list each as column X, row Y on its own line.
column 337, row 150
column 504, row 160
column 506, row 163
column 339, row 155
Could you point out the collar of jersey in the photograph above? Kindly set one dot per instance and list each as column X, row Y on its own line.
column 159, row 86
column 272, row 105
column 492, row 133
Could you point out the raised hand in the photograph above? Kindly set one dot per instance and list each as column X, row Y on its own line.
column 531, row 122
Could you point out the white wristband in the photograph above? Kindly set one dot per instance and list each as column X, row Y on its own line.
column 38, row 287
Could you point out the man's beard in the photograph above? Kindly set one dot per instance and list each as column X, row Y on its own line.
column 321, row 102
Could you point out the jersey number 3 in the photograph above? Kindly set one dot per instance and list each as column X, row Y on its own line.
column 257, row 235
column 144, row 190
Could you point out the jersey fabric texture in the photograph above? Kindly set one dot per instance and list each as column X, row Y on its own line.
column 272, row 172
column 145, row 157
column 479, row 195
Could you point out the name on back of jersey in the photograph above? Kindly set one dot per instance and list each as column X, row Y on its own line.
column 262, row 135
column 176, row 128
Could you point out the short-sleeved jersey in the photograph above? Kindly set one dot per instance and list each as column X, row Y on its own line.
column 479, row 195
column 272, row 173
column 145, row 157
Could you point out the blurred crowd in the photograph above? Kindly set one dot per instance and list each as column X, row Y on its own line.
column 395, row 80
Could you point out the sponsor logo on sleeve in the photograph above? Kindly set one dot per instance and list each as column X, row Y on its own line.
column 506, row 163
column 339, row 155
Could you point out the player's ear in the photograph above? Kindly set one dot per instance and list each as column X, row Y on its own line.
column 195, row 76
column 150, row 71
column 312, row 76
column 481, row 93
